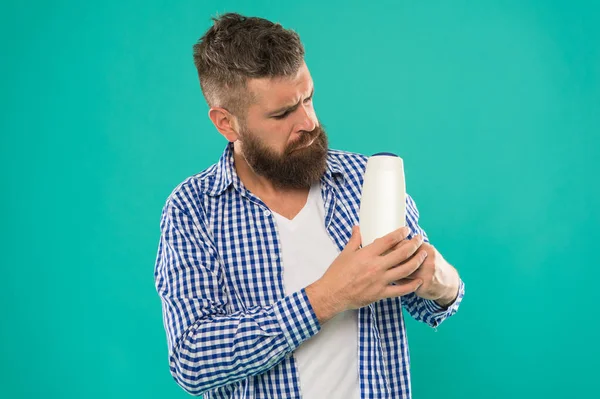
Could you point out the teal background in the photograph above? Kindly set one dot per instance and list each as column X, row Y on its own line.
column 494, row 106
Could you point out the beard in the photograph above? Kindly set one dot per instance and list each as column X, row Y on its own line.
column 298, row 167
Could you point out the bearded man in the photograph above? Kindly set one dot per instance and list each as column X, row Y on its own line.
column 266, row 291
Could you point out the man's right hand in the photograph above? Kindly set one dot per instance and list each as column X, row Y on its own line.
column 361, row 276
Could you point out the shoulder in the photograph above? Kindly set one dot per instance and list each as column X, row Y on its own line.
column 192, row 190
column 351, row 165
column 347, row 159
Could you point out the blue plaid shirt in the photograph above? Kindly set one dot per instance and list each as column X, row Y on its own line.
column 231, row 328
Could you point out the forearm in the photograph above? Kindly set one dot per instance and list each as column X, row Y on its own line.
column 429, row 311
column 452, row 292
column 324, row 305
column 222, row 350
column 447, row 301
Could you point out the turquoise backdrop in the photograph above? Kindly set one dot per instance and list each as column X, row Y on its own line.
column 494, row 106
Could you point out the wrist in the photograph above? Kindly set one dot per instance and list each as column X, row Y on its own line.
column 448, row 299
column 452, row 292
column 324, row 305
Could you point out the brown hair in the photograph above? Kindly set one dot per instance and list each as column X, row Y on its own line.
column 236, row 48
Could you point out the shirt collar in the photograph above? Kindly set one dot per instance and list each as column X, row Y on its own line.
column 225, row 174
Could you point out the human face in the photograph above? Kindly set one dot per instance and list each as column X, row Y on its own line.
column 281, row 138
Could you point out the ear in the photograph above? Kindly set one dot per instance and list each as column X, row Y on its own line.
column 225, row 123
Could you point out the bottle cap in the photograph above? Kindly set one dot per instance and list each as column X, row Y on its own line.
column 385, row 153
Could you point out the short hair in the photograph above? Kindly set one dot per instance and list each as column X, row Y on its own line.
column 237, row 48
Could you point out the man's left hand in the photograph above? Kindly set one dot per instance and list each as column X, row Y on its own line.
column 440, row 279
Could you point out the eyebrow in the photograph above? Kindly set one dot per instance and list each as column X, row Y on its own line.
column 289, row 108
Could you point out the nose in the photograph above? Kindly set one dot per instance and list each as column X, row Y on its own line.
column 307, row 119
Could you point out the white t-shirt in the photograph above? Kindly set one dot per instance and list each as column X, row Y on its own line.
column 327, row 362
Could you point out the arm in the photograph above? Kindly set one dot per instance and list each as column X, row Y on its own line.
column 210, row 347
column 426, row 310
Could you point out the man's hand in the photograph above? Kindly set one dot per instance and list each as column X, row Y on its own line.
column 360, row 276
column 440, row 279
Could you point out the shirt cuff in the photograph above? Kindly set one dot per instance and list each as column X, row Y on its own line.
column 297, row 318
column 437, row 310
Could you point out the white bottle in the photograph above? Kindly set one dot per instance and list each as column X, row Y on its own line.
column 383, row 199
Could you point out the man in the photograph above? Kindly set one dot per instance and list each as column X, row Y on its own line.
column 266, row 290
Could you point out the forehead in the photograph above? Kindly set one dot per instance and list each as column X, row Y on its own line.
column 272, row 93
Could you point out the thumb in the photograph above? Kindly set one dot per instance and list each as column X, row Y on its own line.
column 355, row 239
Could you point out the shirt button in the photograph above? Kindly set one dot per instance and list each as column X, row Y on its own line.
column 275, row 257
column 266, row 213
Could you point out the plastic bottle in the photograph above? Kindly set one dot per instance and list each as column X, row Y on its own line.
column 383, row 198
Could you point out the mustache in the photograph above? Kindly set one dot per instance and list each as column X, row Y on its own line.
column 306, row 137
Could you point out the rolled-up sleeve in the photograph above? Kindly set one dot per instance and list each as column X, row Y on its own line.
column 426, row 310
column 209, row 347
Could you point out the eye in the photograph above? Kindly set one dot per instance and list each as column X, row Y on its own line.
column 282, row 116
column 308, row 100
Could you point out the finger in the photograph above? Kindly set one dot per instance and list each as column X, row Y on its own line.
column 403, row 252
column 388, row 241
column 397, row 290
column 354, row 242
column 406, row 269
column 414, row 275
column 417, row 273
column 404, row 280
